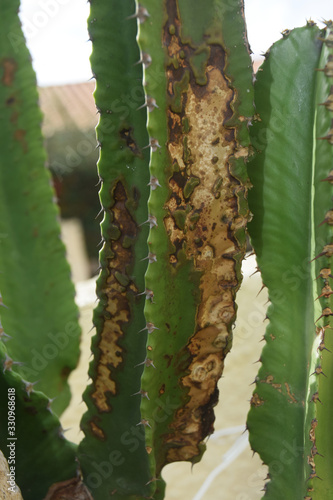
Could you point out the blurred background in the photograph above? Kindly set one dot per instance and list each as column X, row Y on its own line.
column 57, row 37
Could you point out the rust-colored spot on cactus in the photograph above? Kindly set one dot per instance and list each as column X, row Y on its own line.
column 19, row 135
column 117, row 312
column 290, row 394
column 256, row 400
column 9, row 66
column 269, row 380
column 97, row 431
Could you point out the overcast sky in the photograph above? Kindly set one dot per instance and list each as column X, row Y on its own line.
column 58, row 40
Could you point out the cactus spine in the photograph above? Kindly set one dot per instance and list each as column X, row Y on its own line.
column 292, row 236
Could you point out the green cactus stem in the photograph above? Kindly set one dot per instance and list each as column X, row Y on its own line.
column 199, row 98
column 112, row 454
column 289, row 420
column 31, row 436
column 38, row 312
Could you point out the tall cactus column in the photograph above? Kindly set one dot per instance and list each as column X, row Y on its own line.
column 290, row 418
column 199, row 101
column 112, row 454
column 40, row 314
column 39, row 330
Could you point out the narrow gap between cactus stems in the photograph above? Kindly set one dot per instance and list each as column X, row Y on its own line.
column 228, row 458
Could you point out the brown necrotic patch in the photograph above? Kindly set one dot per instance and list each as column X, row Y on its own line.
column 205, row 219
column 19, row 135
column 68, row 490
column 9, row 67
column 127, row 136
column 96, row 430
column 116, row 313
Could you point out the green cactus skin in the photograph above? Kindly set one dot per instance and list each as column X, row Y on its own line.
column 290, row 416
column 41, row 454
column 112, row 454
column 40, row 314
column 199, row 97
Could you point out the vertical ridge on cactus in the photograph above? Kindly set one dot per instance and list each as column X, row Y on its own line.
column 320, row 435
column 292, row 245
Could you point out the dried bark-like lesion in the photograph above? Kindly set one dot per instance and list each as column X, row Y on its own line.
column 73, row 489
column 202, row 221
column 115, row 314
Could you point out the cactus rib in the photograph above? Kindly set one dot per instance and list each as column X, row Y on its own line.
column 320, row 435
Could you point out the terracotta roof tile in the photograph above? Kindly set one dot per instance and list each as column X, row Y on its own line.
column 67, row 107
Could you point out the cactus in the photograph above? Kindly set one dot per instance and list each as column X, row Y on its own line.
column 289, row 420
column 175, row 98
column 200, row 121
column 114, row 445
column 34, row 274
column 197, row 213
column 39, row 327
